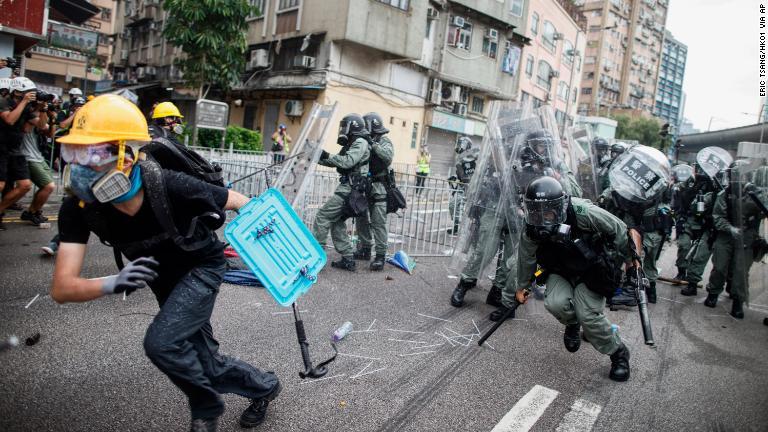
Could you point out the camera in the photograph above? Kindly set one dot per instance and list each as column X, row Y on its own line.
column 44, row 97
column 11, row 63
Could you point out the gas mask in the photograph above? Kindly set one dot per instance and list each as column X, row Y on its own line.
column 89, row 184
column 342, row 140
column 559, row 233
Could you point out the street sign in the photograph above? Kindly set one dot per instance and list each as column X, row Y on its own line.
column 212, row 114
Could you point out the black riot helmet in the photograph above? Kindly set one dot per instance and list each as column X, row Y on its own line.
column 463, row 144
column 600, row 144
column 375, row 124
column 351, row 127
column 546, row 207
column 540, row 141
column 617, row 149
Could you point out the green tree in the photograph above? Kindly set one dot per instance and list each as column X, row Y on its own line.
column 212, row 34
column 644, row 130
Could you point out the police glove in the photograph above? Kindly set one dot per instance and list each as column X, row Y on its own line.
column 324, row 155
column 135, row 275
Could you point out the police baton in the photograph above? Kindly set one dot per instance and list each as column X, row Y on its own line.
column 507, row 315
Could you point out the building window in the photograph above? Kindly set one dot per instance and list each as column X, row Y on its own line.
column 478, row 104
column 258, row 5
column 288, row 4
column 491, row 43
column 106, row 14
column 517, row 8
column 535, row 23
column 586, row 91
column 575, row 93
column 543, row 77
column 414, row 135
column 529, row 66
column 568, row 53
column 400, row 4
column 548, row 36
column 460, row 37
column 562, row 91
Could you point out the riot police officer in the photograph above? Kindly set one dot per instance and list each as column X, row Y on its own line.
column 347, row 201
column 465, row 168
column 382, row 152
column 580, row 249
column 737, row 214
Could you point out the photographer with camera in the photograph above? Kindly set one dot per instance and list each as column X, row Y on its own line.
column 39, row 172
column 15, row 112
column 69, row 108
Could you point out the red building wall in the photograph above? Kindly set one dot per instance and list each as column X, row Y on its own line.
column 25, row 15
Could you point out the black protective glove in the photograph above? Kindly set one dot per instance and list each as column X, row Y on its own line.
column 135, row 275
column 324, row 155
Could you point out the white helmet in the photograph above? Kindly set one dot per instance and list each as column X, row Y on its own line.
column 75, row 92
column 22, row 84
column 5, row 83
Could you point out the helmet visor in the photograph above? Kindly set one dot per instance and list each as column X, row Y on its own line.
column 545, row 213
column 95, row 155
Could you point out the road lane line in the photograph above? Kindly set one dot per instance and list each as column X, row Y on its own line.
column 527, row 410
column 581, row 417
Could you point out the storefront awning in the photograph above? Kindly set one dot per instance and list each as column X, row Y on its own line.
column 77, row 11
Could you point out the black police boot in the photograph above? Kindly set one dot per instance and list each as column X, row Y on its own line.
column 499, row 313
column 620, row 364
column 737, row 310
column 455, row 230
column 204, row 425
column 690, row 289
column 378, row 263
column 494, row 296
column 345, row 264
column 681, row 272
column 457, row 298
column 255, row 414
column 651, row 293
column 625, row 298
column 711, row 300
column 362, row 254
column 572, row 338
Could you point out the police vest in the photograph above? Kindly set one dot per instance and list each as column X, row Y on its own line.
column 423, row 165
column 354, row 169
column 467, row 168
column 377, row 167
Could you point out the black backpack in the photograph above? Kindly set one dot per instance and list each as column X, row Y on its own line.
column 172, row 155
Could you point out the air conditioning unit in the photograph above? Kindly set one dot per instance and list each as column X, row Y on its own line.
column 460, row 109
column 294, row 108
column 128, row 12
column 304, row 62
column 150, row 70
column 140, row 72
column 435, row 92
column 554, row 74
column 432, row 14
column 458, row 21
column 572, row 53
column 124, row 54
column 492, row 34
column 558, row 36
column 154, row 25
column 451, row 93
column 259, row 59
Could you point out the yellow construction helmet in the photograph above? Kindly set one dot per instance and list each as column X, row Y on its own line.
column 107, row 118
column 166, row 109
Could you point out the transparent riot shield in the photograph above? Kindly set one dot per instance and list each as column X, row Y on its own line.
column 640, row 175
column 296, row 178
column 748, row 192
column 479, row 235
column 713, row 161
column 681, row 173
column 681, row 188
column 583, row 161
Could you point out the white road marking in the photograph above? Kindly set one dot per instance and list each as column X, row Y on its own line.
column 581, row 417
column 527, row 410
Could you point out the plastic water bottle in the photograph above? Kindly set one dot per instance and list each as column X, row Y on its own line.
column 342, row 331
column 614, row 328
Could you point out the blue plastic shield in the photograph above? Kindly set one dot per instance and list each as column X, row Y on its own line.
column 276, row 245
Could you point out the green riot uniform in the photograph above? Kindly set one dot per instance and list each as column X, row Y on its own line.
column 728, row 266
column 682, row 196
column 384, row 151
column 699, row 229
column 567, row 296
column 351, row 161
column 651, row 225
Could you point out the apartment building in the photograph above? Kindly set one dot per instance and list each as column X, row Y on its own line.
column 670, row 98
column 77, row 49
column 553, row 60
column 623, row 53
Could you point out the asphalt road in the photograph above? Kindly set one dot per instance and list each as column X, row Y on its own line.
column 398, row 371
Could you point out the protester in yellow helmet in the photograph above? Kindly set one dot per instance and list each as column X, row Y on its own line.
column 166, row 121
column 164, row 222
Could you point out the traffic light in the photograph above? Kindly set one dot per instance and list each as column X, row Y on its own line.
column 664, row 132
